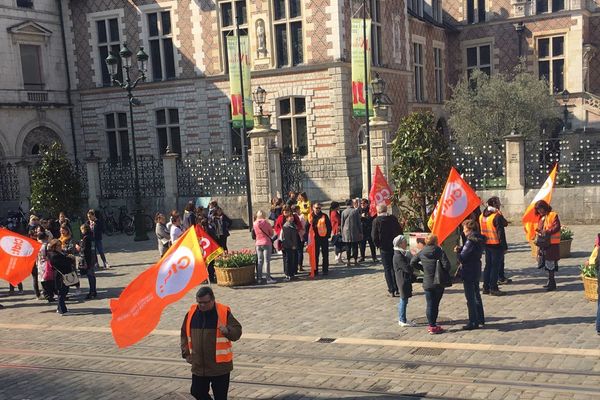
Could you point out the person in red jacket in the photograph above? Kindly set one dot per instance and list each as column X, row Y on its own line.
column 336, row 231
column 281, row 220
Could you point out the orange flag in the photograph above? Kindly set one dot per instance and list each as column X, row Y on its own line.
column 17, row 256
column 210, row 249
column 380, row 192
column 137, row 311
column 457, row 202
column 530, row 220
column 311, row 250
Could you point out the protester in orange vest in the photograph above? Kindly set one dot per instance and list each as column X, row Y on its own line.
column 548, row 241
column 492, row 225
column 206, row 335
column 321, row 226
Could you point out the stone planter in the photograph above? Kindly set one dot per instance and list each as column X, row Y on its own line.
column 565, row 248
column 590, row 288
column 241, row 276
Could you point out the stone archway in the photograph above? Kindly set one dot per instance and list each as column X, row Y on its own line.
column 37, row 138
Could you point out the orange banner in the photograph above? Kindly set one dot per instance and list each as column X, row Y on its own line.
column 17, row 256
column 530, row 220
column 137, row 311
column 312, row 253
column 380, row 193
column 210, row 249
column 457, row 202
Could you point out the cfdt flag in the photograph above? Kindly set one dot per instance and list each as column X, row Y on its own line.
column 457, row 202
column 210, row 249
column 530, row 220
column 380, row 192
column 17, row 256
column 137, row 311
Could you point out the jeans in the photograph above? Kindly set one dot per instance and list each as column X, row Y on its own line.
column 322, row 246
column 63, row 290
column 598, row 317
column 202, row 384
column 474, row 303
column 402, row 309
column 48, row 290
column 363, row 247
column 493, row 260
column 433, row 297
column 100, row 251
column 290, row 262
column 501, row 274
column 351, row 251
column 300, row 254
column 264, row 260
column 387, row 258
column 91, row 276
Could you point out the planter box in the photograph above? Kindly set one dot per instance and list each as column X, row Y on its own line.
column 235, row 276
column 590, row 288
column 565, row 248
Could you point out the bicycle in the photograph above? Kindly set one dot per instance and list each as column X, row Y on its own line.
column 129, row 222
column 110, row 224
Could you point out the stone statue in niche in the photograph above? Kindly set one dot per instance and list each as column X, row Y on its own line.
column 261, row 38
column 397, row 38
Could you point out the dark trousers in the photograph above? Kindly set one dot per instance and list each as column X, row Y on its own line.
column 433, row 297
column 290, row 262
column 501, row 275
column 202, row 384
column 351, row 251
column 11, row 288
column 211, row 272
column 493, row 260
column 100, row 250
column 363, row 247
column 387, row 258
column 91, row 276
column 48, row 287
column 222, row 241
column 36, row 285
column 474, row 303
column 300, row 254
column 322, row 246
column 63, row 290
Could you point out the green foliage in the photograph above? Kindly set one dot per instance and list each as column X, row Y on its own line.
column 589, row 271
column 421, row 162
column 484, row 108
column 55, row 183
column 565, row 233
column 236, row 259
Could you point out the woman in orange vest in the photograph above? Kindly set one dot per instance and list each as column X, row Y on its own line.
column 548, row 241
column 206, row 335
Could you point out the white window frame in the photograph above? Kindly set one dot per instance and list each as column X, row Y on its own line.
column 418, row 71
column 292, row 116
column 438, row 69
column 551, row 58
column 231, row 29
column 117, row 129
column 479, row 65
column 288, row 23
column 92, row 18
column 550, row 7
column 376, row 33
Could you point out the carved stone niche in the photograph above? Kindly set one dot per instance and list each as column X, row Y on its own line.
column 261, row 38
column 522, row 8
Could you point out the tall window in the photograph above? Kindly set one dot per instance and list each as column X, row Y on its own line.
column 544, row 6
column 289, row 45
column 235, row 136
column 232, row 11
column 475, row 11
column 551, row 61
column 31, row 67
column 416, row 6
column 292, row 120
column 160, row 38
column 437, row 10
column 419, row 75
column 439, row 75
column 117, row 134
column 376, row 39
column 479, row 57
column 108, row 42
column 25, row 3
column 167, row 127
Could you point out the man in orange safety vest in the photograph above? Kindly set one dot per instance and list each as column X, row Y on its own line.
column 321, row 225
column 492, row 225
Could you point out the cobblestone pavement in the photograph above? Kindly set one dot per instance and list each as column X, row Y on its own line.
column 535, row 344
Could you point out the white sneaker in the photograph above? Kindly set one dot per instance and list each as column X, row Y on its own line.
column 271, row 280
column 407, row 324
column 107, row 266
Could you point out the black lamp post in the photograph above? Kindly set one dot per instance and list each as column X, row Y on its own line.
column 128, row 84
column 259, row 96
column 565, row 98
column 367, row 122
column 378, row 86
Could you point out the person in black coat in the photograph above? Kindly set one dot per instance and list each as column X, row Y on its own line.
column 469, row 256
column 62, row 265
column 321, row 226
column 385, row 229
column 404, row 275
column 88, row 259
column 426, row 260
column 366, row 221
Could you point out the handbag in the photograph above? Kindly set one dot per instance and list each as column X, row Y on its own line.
column 69, row 279
column 441, row 276
column 542, row 240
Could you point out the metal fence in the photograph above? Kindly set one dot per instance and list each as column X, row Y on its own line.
column 482, row 170
column 9, row 182
column 578, row 158
column 293, row 174
column 117, row 178
column 211, row 174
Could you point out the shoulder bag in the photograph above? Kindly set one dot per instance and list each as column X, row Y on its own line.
column 542, row 240
column 69, row 279
column 441, row 277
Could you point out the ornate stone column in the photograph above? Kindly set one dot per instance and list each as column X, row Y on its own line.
column 515, row 175
column 170, row 174
column 261, row 178
column 93, row 177
column 380, row 149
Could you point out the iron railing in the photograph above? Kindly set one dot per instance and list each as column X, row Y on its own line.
column 117, row 178
column 211, row 174
column 482, row 170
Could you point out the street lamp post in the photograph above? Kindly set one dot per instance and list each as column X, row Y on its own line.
column 565, row 98
column 366, row 71
column 128, row 84
column 259, row 96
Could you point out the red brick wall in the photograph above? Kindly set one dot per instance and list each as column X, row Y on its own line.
column 594, row 38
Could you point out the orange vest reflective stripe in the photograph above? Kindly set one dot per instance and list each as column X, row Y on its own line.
column 223, row 350
column 488, row 229
column 322, row 226
column 548, row 222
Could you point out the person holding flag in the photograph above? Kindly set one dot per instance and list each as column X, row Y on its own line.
column 206, row 335
column 321, row 227
column 548, row 241
column 492, row 225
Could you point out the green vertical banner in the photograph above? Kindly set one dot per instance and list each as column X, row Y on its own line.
column 360, row 82
column 235, row 87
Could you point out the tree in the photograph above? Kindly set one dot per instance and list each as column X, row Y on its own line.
column 421, row 162
column 486, row 108
column 55, row 184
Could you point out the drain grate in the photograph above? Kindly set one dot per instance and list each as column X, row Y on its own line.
column 326, row 340
column 426, row 351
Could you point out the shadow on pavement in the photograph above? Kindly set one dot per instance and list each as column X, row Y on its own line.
column 539, row 323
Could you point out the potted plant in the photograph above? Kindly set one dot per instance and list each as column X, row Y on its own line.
column 566, row 238
column 590, row 282
column 236, row 268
